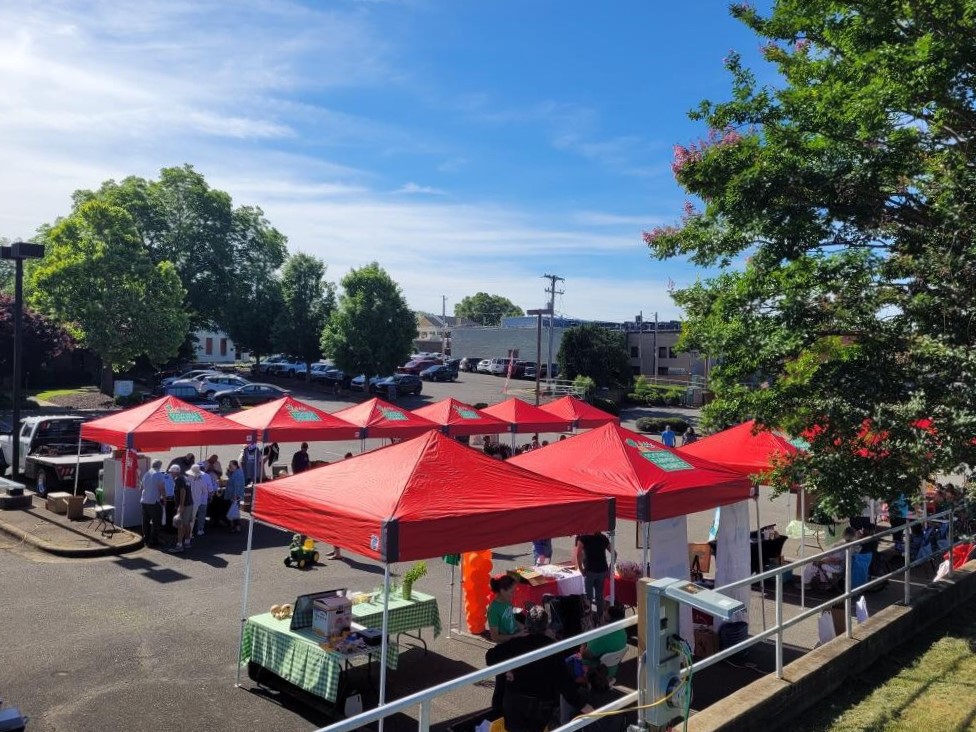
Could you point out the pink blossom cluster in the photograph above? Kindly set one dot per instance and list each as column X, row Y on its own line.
column 801, row 45
column 694, row 152
column 659, row 232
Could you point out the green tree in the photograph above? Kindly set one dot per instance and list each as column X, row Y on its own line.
column 181, row 219
column 601, row 354
column 486, row 309
column 308, row 301
column 372, row 330
column 851, row 188
column 97, row 278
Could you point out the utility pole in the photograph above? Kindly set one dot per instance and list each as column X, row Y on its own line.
column 640, row 337
column 552, row 291
column 443, row 324
column 655, row 348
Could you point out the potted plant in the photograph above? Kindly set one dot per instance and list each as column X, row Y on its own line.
column 416, row 572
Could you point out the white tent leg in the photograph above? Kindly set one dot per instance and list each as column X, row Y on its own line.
column 803, row 543
column 15, row 436
column 646, row 559
column 759, row 537
column 247, row 582
column 386, row 640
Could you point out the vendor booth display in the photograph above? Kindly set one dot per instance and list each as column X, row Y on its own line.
column 522, row 417
column 581, row 414
column 158, row 425
column 289, row 420
column 425, row 498
column 457, row 419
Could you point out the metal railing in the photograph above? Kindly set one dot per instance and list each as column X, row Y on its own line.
column 422, row 699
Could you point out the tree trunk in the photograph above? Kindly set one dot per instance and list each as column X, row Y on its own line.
column 108, row 379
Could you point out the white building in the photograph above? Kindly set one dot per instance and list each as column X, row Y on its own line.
column 214, row 346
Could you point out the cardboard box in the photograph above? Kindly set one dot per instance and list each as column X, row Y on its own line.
column 57, row 502
column 331, row 616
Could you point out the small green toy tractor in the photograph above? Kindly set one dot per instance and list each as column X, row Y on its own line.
column 301, row 552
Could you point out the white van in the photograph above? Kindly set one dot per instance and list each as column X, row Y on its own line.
column 500, row 366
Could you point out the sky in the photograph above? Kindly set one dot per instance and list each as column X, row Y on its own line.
column 465, row 146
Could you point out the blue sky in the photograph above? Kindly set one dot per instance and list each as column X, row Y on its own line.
column 465, row 146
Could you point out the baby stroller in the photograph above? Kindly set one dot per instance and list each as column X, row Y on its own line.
column 568, row 614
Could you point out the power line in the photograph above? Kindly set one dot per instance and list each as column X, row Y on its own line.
column 552, row 292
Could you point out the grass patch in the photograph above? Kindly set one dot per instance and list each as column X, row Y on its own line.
column 46, row 395
column 927, row 684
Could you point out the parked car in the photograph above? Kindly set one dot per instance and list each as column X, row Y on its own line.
column 500, row 366
column 265, row 366
column 210, row 384
column 469, row 364
column 483, row 366
column 518, row 371
column 290, row 367
column 250, row 395
column 358, row 383
column 188, row 375
column 441, row 372
column 329, row 375
column 529, row 371
column 405, row 384
column 186, row 392
column 417, row 365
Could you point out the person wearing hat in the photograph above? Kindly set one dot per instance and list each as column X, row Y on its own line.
column 200, row 490
column 183, row 509
column 152, row 498
column 532, row 691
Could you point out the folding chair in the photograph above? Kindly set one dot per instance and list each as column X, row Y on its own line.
column 104, row 513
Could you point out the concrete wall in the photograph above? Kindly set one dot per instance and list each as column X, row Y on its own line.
column 771, row 703
column 496, row 342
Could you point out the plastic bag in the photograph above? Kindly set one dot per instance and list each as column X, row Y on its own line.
column 825, row 627
column 861, row 609
column 943, row 571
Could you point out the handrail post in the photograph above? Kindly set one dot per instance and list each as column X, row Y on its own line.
column 907, row 533
column 847, row 592
column 423, row 724
column 952, row 519
column 779, row 625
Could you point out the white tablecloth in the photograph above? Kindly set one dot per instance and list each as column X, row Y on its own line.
column 569, row 581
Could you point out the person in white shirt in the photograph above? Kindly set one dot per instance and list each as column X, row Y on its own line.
column 153, row 495
column 200, row 490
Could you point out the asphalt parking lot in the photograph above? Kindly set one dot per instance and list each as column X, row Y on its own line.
column 148, row 640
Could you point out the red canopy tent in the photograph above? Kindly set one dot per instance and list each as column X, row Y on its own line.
column 458, row 419
column 581, row 414
column 164, row 424
column 524, row 417
column 382, row 419
column 289, row 420
column 649, row 481
column 425, row 498
column 744, row 448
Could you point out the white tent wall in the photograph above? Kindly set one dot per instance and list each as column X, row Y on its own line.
column 732, row 560
column 669, row 558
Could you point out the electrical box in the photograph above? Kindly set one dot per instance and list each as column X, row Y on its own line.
column 661, row 645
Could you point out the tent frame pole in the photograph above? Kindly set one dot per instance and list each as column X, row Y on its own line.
column 803, row 543
column 613, row 571
column 386, row 638
column 259, row 457
column 759, row 541
column 16, row 436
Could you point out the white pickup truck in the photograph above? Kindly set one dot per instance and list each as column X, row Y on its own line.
column 49, row 453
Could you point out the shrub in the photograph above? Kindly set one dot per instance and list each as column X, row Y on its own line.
column 128, row 401
column 655, row 425
column 584, row 386
column 655, row 395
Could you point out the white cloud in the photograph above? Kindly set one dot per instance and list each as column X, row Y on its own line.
column 415, row 188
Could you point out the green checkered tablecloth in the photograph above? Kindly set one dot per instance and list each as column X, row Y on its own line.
column 295, row 655
column 405, row 615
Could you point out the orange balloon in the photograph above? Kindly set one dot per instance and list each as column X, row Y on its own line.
column 476, row 571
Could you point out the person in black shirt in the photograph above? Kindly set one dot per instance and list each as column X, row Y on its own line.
column 532, row 691
column 591, row 559
column 300, row 460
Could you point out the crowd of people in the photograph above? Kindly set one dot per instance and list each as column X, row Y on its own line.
column 179, row 500
column 530, row 697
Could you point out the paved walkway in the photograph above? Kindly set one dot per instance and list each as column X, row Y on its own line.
column 57, row 534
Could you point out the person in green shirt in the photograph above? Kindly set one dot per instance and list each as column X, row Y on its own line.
column 592, row 652
column 502, row 625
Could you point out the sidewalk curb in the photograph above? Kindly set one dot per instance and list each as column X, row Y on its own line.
column 102, row 551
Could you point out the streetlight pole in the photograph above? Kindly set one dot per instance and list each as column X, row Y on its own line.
column 538, row 346
column 18, row 252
